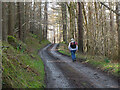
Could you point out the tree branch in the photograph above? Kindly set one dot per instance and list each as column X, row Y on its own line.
column 109, row 8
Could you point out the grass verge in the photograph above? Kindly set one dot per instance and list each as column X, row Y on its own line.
column 103, row 63
column 21, row 65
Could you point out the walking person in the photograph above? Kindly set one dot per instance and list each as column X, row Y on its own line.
column 73, row 47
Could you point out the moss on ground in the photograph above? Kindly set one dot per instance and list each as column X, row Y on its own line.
column 101, row 62
column 22, row 66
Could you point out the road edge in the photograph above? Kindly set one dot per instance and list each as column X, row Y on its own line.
column 93, row 67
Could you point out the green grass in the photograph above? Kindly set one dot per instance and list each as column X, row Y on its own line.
column 23, row 69
column 101, row 62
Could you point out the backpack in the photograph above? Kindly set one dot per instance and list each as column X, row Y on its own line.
column 73, row 45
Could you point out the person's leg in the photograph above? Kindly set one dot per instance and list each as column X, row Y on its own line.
column 72, row 54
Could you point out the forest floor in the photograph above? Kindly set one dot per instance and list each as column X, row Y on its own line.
column 61, row 72
column 21, row 65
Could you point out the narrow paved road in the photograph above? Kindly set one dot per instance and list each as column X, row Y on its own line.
column 61, row 72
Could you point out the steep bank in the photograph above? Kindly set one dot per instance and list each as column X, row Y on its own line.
column 21, row 65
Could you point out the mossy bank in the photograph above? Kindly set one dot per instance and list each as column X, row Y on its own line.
column 21, row 65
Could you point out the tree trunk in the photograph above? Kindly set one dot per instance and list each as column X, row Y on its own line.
column 118, row 22
column 86, row 25
column 80, row 28
column 40, row 26
column 10, row 18
column 19, row 20
column 64, row 21
column 23, row 21
column 46, row 20
column 26, row 18
column 72, row 20
column 4, row 22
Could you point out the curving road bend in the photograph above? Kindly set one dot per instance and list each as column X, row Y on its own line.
column 61, row 72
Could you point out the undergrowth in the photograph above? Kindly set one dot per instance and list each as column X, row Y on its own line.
column 22, row 67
